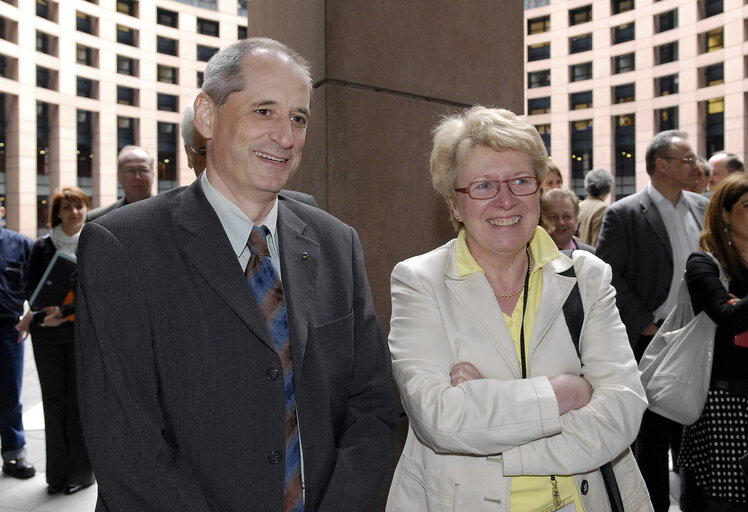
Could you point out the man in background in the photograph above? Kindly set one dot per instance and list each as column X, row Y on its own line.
column 723, row 163
column 135, row 174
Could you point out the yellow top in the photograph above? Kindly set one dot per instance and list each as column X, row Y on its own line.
column 528, row 493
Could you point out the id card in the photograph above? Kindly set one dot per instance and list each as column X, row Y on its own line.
column 741, row 339
column 565, row 506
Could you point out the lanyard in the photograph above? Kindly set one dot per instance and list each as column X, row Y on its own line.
column 522, row 325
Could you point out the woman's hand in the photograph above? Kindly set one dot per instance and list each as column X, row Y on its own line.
column 732, row 300
column 53, row 316
column 463, row 372
column 572, row 392
column 23, row 326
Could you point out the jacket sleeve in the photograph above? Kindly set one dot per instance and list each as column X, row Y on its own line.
column 479, row 417
column 708, row 294
column 613, row 248
column 608, row 424
column 366, row 442
column 137, row 468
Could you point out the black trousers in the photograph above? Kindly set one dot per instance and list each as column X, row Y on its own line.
column 67, row 457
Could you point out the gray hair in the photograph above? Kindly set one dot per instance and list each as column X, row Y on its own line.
column 187, row 126
column 223, row 74
column 703, row 162
column 659, row 145
column 130, row 148
column 598, row 182
column 563, row 194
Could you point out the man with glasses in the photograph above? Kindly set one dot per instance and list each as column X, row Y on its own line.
column 646, row 238
column 135, row 174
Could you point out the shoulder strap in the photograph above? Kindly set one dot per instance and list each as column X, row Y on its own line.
column 573, row 308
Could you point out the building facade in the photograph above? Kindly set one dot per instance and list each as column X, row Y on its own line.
column 80, row 79
column 604, row 76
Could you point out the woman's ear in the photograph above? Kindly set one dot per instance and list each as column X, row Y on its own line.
column 453, row 208
column 726, row 217
column 204, row 115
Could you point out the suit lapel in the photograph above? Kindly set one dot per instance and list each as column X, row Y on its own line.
column 653, row 218
column 556, row 289
column 299, row 263
column 200, row 236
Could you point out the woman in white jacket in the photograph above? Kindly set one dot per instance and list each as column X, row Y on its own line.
column 504, row 413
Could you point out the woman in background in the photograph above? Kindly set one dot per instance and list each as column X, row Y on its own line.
column 712, row 446
column 68, row 467
column 553, row 179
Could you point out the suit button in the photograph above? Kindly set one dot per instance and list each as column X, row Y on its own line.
column 274, row 457
column 585, row 487
column 272, row 373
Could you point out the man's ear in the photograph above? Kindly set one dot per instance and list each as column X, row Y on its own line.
column 204, row 115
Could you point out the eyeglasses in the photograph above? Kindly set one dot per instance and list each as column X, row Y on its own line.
column 690, row 160
column 143, row 171
column 199, row 151
column 488, row 189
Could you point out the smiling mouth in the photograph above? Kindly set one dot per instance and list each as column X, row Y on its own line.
column 504, row 222
column 270, row 157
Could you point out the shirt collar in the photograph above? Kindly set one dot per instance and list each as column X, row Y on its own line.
column 542, row 246
column 661, row 201
column 235, row 222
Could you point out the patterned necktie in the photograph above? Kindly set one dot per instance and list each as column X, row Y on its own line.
column 268, row 290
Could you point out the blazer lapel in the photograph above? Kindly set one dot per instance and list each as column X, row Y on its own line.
column 201, row 237
column 299, row 263
column 556, row 289
column 653, row 218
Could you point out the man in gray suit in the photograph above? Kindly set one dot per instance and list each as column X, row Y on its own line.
column 646, row 238
column 183, row 397
column 135, row 174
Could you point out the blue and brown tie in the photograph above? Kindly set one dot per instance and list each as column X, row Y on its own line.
column 268, row 290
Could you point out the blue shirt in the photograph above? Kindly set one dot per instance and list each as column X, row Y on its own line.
column 14, row 256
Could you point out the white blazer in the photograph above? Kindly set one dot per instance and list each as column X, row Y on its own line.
column 465, row 441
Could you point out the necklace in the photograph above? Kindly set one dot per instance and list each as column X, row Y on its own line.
column 530, row 262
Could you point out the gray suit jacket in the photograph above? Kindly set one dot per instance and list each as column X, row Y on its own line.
column 180, row 401
column 634, row 241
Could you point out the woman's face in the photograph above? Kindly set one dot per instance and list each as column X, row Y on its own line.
column 737, row 217
column 552, row 180
column 72, row 216
column 503, row 225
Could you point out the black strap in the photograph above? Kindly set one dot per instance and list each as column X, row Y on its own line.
column 574, row 316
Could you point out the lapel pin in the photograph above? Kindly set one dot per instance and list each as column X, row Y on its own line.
column 304, row 255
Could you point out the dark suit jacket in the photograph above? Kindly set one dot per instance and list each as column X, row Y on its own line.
column 180, row 401
column 98, row 212
column 634, row 241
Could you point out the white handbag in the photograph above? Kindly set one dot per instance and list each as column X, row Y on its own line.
column 676, row 367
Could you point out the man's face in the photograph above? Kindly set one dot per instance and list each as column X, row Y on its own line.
column 196, row 153
column 256, row 138
column 680, row 174
column 562, row 216
column 701, row 181
column 719, row 170
column 135, row 175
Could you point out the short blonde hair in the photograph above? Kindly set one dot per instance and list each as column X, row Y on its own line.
column 497, row 128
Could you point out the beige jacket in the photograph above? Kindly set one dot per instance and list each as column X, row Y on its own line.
column 464, row 441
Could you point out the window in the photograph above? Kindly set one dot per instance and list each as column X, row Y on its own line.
column 666, row 119
column 581, row 154
column 46, row 78
column 712, row 75
column 166, row 17
column 579, row 72
column 127, row 66
column 8, row 29
column 537, row 106
column 167, row 74
column 666, row 53
column 666, row 85
column 167, row 102
column 204, row 53
column 539, row 25
column 623, row 63
column 127, row 35
column 241, row 32
column 85, row 55
column 84, row 149
column 85, row 23
column 625, row 151
column 581, row 43
column 129, row 7
column 167, row 45
column 46, row 9
column 666, row 21
column 168, row 134
column 580, row 100
column 624, row 93
column 538, row 51
column 714, row 128
column 85, row 87
column 46, row 43
column 545, row 135
column 8, row 68
column 710, row 7
column 199, row 78
column 125, row 134
column 619, row 6
column 539, row 78
column 127, row 96
column 712, row 41
column 623, row 33
column 580, row 15
column 207, row 27
column 531, row 4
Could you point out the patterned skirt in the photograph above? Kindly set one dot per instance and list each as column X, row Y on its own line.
column 712, row 446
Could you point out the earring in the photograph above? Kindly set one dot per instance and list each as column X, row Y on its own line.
column 727, row 234
column 458, row 219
